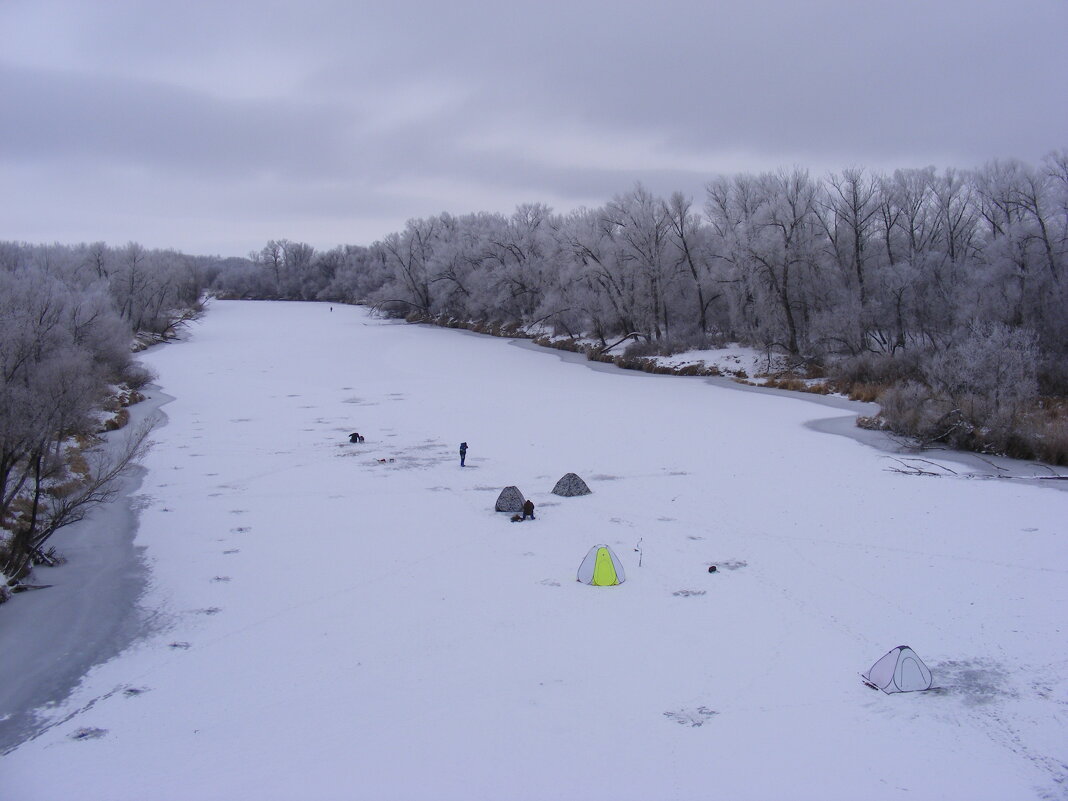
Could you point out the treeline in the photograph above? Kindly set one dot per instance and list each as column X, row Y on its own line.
column 944, row 294
column 68, row 319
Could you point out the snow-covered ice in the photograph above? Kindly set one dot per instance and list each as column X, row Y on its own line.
column 356, row 622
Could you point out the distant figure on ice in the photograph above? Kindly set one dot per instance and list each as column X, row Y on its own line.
column 463, row 453
column 355, row 437
column 528, row 509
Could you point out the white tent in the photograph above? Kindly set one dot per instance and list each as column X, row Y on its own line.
column 601, row 567
column 900, row 671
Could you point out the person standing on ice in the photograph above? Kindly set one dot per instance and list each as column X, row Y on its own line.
column 463, row 453
column 528, row 509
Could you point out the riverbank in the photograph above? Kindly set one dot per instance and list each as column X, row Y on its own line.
column 896, row 448
column 89, row 613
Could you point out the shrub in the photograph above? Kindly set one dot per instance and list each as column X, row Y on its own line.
column 910, row 408
column 975, row 394
column 693, row 369
column 874, row 423
column 868, row 393
column 798, row 385
column 1053, row 445
column 77, row 463
column 572, row 345
column 121, row 418
column 989, row 377
column 137, row 376
column 790, row 384
column 866, row 376
column 1043, row 435
column 669, row 346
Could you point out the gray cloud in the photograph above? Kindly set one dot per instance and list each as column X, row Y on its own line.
column 101, row 119
column 216, row 126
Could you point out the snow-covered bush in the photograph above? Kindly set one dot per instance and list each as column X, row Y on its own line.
column 973, row 393
column 990, row 376
column 136, row 376
column 874, row 368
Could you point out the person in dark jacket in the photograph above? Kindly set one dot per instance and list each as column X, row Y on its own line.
column 463, row 453
column 528, row 509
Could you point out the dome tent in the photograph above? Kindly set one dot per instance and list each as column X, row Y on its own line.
column 510, row 500
column 899, row 671
column 571, row 485
column 601, row 568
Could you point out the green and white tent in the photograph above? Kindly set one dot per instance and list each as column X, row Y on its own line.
column 601, row 568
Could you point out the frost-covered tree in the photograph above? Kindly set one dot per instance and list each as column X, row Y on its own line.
column 640, row 227
column 693, row 253
column 59, row 348
column 408, row 255
column 769, row 227
column 68, row 315
column 604, row 286
column 870, row 274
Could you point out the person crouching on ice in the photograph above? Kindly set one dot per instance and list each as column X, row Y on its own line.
column 528, row 509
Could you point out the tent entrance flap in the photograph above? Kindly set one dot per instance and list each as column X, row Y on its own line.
column 601, row 568
column 604, row 574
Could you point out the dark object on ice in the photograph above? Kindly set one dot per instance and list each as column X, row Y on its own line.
column 516, row 519
column 571, row 485
column 712, row 569
column 528, row 509
column 510, row 500
column 88, row 734
column 355, row 437
column 463, row 453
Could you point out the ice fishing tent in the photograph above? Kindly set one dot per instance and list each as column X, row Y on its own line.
column 571, row 485
column 900, row 671
column 601, row 568
column 510, row 500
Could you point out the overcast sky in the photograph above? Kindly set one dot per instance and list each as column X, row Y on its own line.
column 212, row 127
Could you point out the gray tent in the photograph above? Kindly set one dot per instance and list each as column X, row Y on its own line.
column 510, row 500
column 570, row 486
